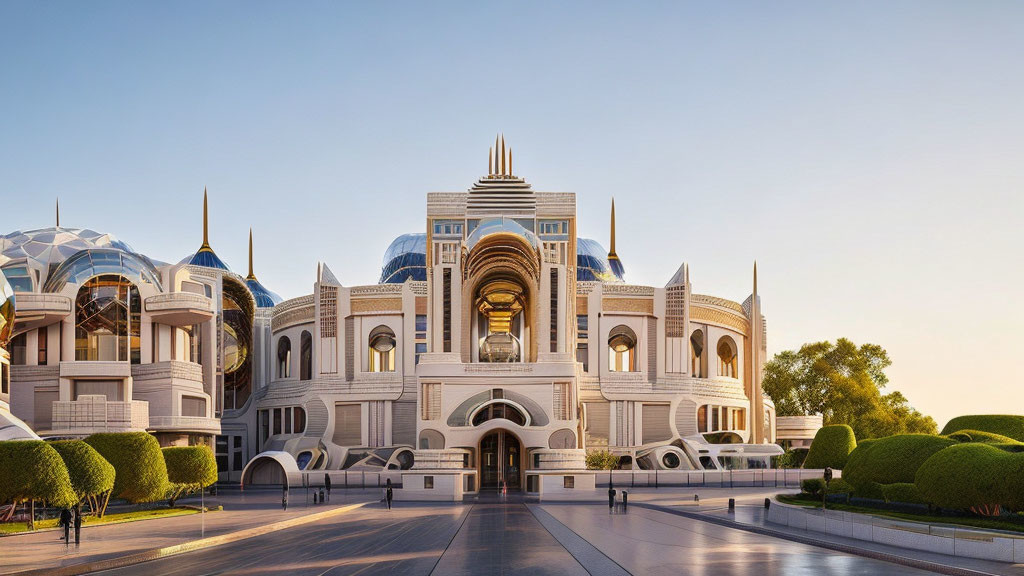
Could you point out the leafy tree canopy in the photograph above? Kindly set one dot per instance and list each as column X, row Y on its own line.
column 843, row 382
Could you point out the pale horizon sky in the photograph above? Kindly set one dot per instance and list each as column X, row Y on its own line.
column 867, row 155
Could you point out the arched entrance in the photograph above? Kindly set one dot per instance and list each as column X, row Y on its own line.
column 501, row 461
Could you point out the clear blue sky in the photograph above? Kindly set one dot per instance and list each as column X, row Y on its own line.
column 868, row 155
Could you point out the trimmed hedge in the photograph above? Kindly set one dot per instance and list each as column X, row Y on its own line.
column 1004, row 424
column 903, row 492
column 814, row 486
column 890, row 460
column 33, row 470
column 141, row 474
column 982, row 437
column 975, row 477
column 189, row 468
column 90, row 474
column 831, row 447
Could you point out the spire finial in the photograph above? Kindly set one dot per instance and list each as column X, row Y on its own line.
column 510, row 172
column 251, row 275
column 206, row 222
column 611, row 250
column 503, row 155
column 497, row 145
column 58, row 212
column 490, row 161
column 687, row 274
column 755, row 279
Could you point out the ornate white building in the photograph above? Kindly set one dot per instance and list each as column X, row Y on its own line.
column 496, row 347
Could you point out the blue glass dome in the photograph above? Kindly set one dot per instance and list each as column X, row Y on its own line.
column 405, row 259
column 207, row 258
column 592, row 264
column 264, row 298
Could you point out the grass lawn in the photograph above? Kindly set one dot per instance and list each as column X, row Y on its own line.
column 969, row 521
column 16, row 527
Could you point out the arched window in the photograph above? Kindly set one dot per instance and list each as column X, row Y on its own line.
column 284, row 357
column 382, row 350
column 727, row 358
column 107, row 318
column 499, row 409
column 697, row 354
column 305, row 356
column 622, row 349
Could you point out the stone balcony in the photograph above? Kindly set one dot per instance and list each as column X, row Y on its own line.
column 180, row 308
column 91, row 414
column 191, row 424
column 38, row 310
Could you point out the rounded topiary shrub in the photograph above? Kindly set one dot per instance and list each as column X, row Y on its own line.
column 976, row 477
column 33, row 470
column 1006, row 425
column 831, row 447
column 140, row 472
column 902, row 493
column 189, row 468
column 90, row 473
column 982, row 437
column 890, row 460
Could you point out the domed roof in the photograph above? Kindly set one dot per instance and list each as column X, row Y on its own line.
column 593, row 264
column 206, row 257
column 45, row 249
column 264, row 298
column 6, row 310
column 405, row 259
column 501, row 225
column 88, row 263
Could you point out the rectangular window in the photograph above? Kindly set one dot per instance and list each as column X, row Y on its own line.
column 194, row 406
column 348, row 424
column 446, row 326
column 554, row 310
column 277, row 420
column 237, row 461
column 421, row 325
column 264, row 426
column 428, row 482
column 287, row 420
column 568, row 482
column 222, row 453
column 583, row 355
column 430, row 401
column 449, row 253
column 562, row 401
column 715, row 411
column 421, row 348
column 41, row 355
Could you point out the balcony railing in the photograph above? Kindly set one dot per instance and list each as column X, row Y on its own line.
column 184, row 424
column 93, row 413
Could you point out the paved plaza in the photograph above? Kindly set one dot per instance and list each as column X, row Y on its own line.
column 664, row 532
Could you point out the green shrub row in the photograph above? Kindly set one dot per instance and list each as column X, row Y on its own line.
column 903, row 492
column 831, row 447
column 976, row 477
column 981, row 437
column 814, row 486
column 890, row 460
column 32, row 470
column 1003, row 424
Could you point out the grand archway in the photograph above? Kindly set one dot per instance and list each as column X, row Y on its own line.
column 501, row 461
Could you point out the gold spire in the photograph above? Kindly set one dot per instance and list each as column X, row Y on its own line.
column 58, row 212
column 503, row 155
column 497, row 143
column 611, row 250
column 206, row 224
column 490, row 161
column 510, row 172
column 251, row 276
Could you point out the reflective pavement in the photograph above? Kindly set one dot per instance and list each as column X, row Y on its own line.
column 494, row 537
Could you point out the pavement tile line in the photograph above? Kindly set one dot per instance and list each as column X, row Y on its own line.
column 873, row 554
column 454, row 534
column 570, row 540
column 191, row 546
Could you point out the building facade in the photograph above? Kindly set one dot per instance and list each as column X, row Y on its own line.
column 496, row 345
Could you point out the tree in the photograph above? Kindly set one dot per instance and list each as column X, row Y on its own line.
column 843, row 382
column 140, row 471
column 32, row 470
column 831, row 447
column 189, row 468
column 92, row 477
column 602, row 460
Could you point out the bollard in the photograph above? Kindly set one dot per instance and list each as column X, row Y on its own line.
column 767, row 503
column 321, row 495
column 732, row 504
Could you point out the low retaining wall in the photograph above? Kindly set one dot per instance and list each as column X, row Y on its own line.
column 963, row 542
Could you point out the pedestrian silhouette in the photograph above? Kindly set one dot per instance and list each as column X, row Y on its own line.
column 389, row 494
column 65, row 521
column 327, row 484
column 78, row 525
column 611, row 499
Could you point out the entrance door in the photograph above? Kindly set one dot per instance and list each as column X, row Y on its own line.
column 500, row 461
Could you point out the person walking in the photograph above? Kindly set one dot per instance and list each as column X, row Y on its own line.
column 389, row 494
column 327, row 484
column 65, row 521
column 611, row 498
column 78, row 525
